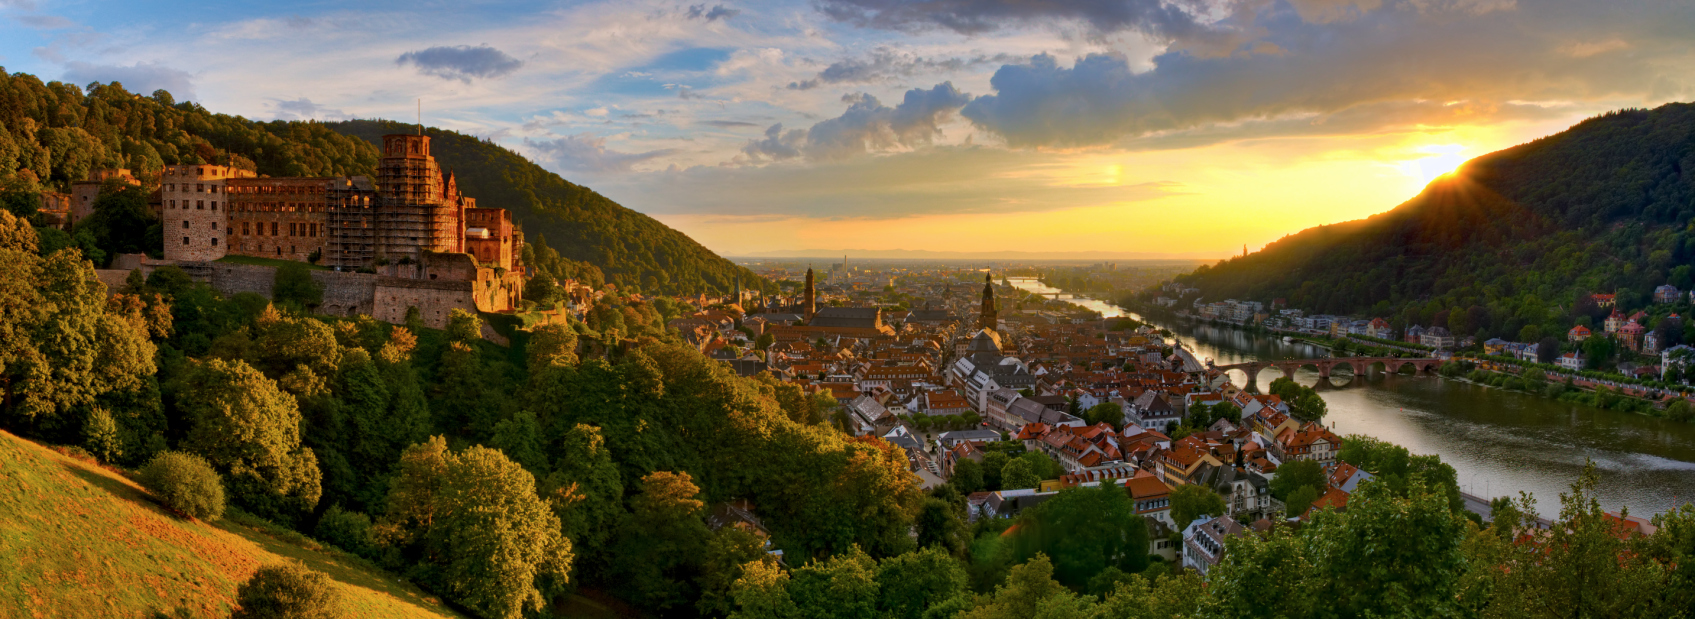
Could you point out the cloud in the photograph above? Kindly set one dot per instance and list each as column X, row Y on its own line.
column 866, row 126
column 886, row 63
column 142, row 77
column 777, row 145
column 1155, row 18
column 45, row 22
column 24, row 5
column 727, row 124
column 938, row 180
column 303, row 109
column 588, row 153
column 1325, row 68
column 717, row 12
column 461, row 63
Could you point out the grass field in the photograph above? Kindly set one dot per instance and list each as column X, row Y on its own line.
column 77, row 540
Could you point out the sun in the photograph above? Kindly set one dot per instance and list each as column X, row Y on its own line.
column 1443, row 160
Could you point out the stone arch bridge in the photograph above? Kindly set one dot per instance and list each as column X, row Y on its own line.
column 1359, row 365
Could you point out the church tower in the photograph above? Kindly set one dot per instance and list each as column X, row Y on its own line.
column 988, row 320
column 809, row 304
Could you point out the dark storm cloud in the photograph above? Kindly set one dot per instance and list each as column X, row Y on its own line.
column 866, row 126
column 142, row 77
column 462, row 63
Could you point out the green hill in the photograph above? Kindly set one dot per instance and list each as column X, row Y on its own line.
column 631, row 248
column 1605, row 205
column 78, row 540
column 52, row 134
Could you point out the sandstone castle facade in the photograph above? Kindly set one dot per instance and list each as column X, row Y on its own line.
column 427, row 245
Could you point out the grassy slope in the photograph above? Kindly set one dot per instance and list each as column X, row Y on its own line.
column 80, row 541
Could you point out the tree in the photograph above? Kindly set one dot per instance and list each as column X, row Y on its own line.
column 550, row 344
column 728, row 551
column 287, row 591
column 1586, row 565
column 470, row 526
column 914, row 582
column 1029, row 591
column 843, row 586
column 1146, row 598
column 249, row 430
column 463, row 326
column 940, row 525
column 994, row 463
column 1304, row 403
column 1388, row 554
column 1018, row 475
column 295, row 287
column 1085, row 530
column 967, row 475
column 1299, row 500
column 185, row 483
column 1299, row 474
column 1105, row 412
column 763, row 592
column 658, row 548
column 1189, row 502
column 520, row 438
column 349, row 531
column 585, row 488
column 122, row 222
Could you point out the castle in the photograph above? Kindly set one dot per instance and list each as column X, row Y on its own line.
column 412, row 229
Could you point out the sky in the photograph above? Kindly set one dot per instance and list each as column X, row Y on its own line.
column 1150, row 127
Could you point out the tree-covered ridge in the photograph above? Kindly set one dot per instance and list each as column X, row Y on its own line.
column 632, row 249
column 1600, row 207
column 53, row 134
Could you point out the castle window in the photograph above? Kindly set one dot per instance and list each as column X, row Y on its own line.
column 244, row 229
column 185, row 240
column 185, row 224
column 200, row 205
column 214, row 241
column 274, row 230
column 200, row 188
column 214, row 205
column 214, row 225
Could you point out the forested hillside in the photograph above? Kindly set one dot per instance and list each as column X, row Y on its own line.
column 631, row 248
column 53, row 134
column 1604, row 206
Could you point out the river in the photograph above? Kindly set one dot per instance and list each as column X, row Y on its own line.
column 1501, row 442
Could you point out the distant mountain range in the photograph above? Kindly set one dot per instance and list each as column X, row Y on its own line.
column 1604, row 206
column 924, row 254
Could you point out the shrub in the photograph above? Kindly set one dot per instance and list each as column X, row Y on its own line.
column 186, row 483
column 287, row 591
column 349, row 531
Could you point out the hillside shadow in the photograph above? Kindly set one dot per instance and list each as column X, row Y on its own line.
column 340, row 566
column 114, row 486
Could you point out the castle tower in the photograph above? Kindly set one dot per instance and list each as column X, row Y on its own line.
column 988, row 319
column 416, row 211
column 809, row 304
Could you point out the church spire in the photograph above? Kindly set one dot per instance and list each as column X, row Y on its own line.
column 809, row 304
column 988, row 319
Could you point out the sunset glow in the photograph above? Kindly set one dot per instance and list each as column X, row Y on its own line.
column 772, row 125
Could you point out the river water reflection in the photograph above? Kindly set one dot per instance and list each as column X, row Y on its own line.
column 1500, row 442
